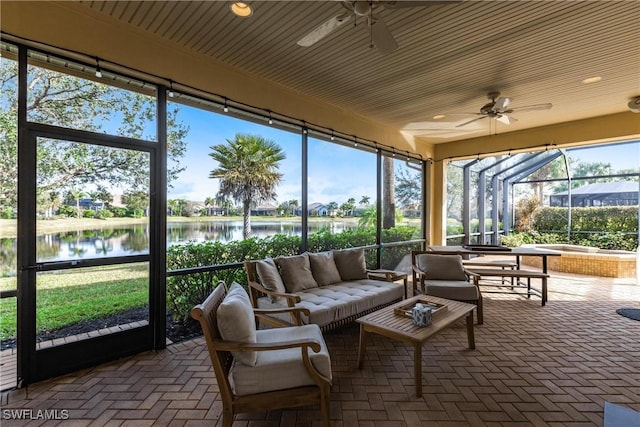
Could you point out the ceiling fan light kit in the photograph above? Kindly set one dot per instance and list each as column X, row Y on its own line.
column 634, row 105
column 498, row 109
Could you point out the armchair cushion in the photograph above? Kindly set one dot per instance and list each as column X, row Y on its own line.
column 296, row 272
column 441, row 267
column 280, row 369
column 269, row 276
column 459, row 290
column 236, row 322
column 351, row 264
column 324, row 268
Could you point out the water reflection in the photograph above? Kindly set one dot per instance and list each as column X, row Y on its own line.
column 134, row 239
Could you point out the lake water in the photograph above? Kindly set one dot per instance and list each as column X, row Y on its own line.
column 134, row 239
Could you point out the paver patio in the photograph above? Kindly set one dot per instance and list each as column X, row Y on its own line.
column 533, row 365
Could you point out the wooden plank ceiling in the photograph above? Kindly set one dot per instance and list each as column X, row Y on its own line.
column 449, row 56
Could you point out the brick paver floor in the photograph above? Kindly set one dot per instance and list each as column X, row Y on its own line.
column 554, row 365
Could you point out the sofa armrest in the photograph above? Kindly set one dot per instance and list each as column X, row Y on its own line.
column 291, row 299
column 386, row 275
column 299, row 310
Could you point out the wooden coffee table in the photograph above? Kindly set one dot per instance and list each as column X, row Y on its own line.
column 386, row 323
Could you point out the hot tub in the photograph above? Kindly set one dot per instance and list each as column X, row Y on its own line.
column 587, row 260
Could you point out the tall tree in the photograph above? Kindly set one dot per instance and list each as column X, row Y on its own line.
column 332, row 207
column 208, row 203
column 248, row 171
column 388, row 193
column 365, row 201
column 74, row 195
column 554, row 169
column 80, row 103
column 408, row 188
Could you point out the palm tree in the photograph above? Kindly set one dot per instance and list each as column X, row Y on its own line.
column 208, row 203
column 365, row 201
column 248, row 171
column 75, row 194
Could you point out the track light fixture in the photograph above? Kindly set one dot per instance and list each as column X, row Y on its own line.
column 171, row 94
column 270, row 118
column 226, row 107
column 355, row 141
column 98, row 71
column 333, row 137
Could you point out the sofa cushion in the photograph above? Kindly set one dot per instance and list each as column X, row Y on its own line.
column 296, row 272
column 350, row 263
column 280, row 369
column 441, row 267
column 332, row 303
column 236, row 322
column 324, row 268
column 269, row 276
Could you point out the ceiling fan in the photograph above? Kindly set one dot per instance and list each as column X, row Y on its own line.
column 499, row 110
column 380, row 35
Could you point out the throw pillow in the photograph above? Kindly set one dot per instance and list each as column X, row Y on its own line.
column 236, row 322
column 324, row 268
column 441, row 267
column 269, row 277
column 296, row 272
column 350, row 263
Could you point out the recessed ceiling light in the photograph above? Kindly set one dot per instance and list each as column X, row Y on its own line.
column 592, row 79
column 241, row 9
column 439, row 116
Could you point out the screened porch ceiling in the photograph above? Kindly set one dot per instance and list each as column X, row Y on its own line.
column 449, row 56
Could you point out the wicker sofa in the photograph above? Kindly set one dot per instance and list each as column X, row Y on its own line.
column 334, row 286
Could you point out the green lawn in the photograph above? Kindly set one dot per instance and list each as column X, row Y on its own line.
column 68, row 297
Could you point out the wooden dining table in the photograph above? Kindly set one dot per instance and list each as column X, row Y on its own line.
column 519, row 287
column 467, row 250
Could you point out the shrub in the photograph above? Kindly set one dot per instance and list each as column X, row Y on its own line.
column 88, row 214
column 185, row 291
column 104, row 213
column 6, row 212
column 118, row 212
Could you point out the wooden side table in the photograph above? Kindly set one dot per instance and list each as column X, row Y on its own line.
column 390, row 276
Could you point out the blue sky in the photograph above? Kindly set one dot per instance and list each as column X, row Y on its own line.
column 335, row 172
column 620, row 156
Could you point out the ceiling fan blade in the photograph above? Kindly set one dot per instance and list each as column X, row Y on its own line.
column 382, row 37
column 507, row 120
column 323, row 30
column 471, row 121
column 533, row 107
column 501, row 104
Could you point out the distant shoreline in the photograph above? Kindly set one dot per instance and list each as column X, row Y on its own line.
column 8, row 227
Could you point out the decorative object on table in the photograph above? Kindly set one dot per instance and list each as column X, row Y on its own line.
column 421, row 315
column 424, row 302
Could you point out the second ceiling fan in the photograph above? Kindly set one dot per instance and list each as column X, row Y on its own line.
column 380, row 35
column 498, row 109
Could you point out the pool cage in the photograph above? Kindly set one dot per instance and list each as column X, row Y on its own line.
column 482, row 193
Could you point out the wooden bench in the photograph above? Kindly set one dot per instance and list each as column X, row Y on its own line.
column 503, row 263
column 471, row 264
column 517, row 274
